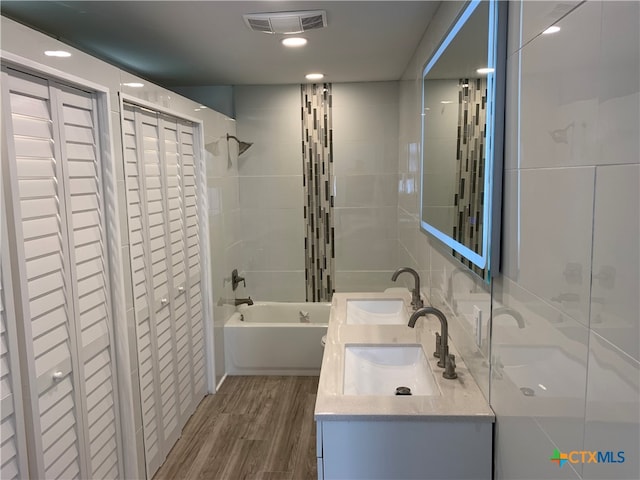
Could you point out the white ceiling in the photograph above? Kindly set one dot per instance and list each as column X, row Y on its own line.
column 195, row 43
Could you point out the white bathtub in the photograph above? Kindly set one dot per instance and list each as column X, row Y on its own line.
column 276, row 338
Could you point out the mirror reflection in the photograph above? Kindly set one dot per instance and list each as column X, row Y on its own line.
column 459, row 138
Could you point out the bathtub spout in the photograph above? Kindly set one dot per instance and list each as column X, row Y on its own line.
column 240, row 301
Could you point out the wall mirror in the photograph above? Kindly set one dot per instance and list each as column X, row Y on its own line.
column 462, row 137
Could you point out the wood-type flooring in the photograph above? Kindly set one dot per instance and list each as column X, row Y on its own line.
column 254, row 427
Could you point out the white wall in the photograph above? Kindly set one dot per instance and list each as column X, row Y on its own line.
column 28, row 44
column 571, row 257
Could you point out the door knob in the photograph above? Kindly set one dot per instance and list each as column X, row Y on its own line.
column 57, row 376
column 180, row 289
column 163, row 301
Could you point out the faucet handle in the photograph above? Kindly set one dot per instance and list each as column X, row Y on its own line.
column 438, row 346
column 450, row 368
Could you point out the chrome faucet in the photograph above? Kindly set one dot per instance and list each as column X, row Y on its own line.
column 512, row 313
column 416, row 301
column 442, row 340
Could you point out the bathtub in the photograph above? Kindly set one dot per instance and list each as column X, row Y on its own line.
column 276, row 338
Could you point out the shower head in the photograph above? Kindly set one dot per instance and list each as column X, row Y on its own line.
column 242, row 146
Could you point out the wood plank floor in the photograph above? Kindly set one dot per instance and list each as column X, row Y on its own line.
column 253, row 428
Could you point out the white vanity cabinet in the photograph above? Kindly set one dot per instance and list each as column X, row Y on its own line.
column 444, row 433
column 402, row 448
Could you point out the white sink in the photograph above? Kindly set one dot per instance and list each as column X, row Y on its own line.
column 381, row 369
column 384, row 311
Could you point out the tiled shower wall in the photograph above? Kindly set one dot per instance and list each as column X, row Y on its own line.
column 571, row 257
column 365, row 125
column 270, row 219
column 570, row 254
column 365, row 138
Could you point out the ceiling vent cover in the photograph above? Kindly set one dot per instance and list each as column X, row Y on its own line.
column 286, row 22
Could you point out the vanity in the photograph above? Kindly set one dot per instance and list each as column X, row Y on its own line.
column 368, row 426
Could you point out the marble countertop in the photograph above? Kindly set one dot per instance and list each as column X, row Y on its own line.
column 459, row 399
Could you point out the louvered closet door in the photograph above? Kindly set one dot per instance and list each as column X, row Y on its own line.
column 191, row 220
column 13, row 453
column 64, row 289
column 179, row 154
column 142, row 292
column 160, row 163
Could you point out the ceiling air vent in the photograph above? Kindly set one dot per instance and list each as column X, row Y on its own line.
column 286, row 22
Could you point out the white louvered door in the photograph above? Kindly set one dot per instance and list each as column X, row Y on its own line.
column 159, row 164
column 143, row 293
column 190, row 168
column 59, row 227
column 13, row 453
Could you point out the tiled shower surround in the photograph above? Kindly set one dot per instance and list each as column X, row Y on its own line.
column 364, row 187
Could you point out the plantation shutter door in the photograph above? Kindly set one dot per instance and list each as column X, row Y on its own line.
column 185, row 254
column 142, row 290
column 155, row 179
column 190, row 174
column 13, row 453
column 184, row 355
column 160, row 164
column 89, row 274
column 65, row 311
column 57, row 439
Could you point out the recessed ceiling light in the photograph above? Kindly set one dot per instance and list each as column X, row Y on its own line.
column 133, row 84
column 484, row 71
column 294, row 41
column 446, row 101
column 57, row 53
column 202, row 106
column 314, row 76
column 551, row 29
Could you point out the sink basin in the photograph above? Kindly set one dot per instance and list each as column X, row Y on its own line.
column 381, row 369
column 382, row 311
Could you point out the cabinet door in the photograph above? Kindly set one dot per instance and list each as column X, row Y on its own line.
column 63, row 312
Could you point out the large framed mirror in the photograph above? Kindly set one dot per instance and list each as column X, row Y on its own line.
column 462, row 137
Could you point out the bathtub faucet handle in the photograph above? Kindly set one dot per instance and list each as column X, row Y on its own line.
column 236, row 279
